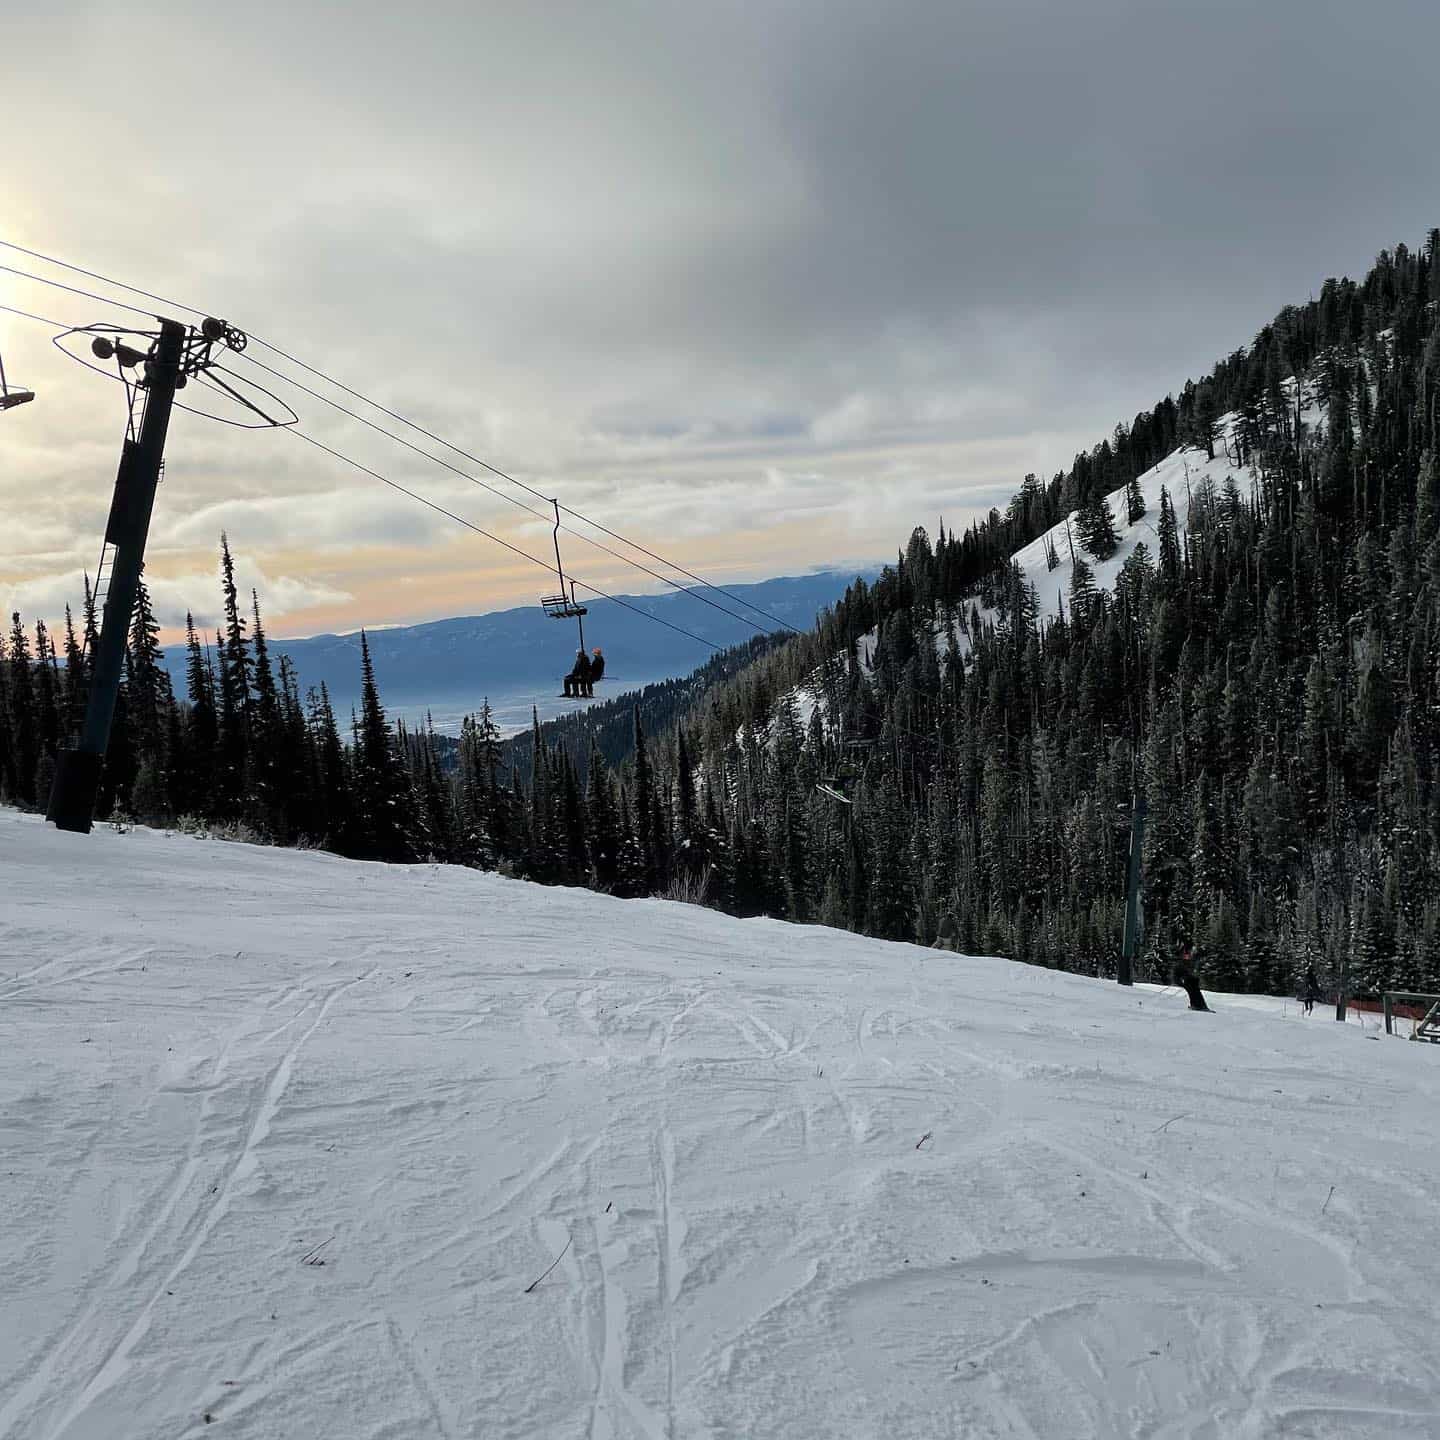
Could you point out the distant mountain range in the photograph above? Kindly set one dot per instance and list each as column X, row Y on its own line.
column 516, row 658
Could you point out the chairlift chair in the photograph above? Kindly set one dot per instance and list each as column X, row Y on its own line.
column 10, row 396
column 563, row 605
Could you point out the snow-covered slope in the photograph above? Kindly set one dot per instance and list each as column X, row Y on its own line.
column 1182, row 474
column 801, row 1184
column 1185, row 474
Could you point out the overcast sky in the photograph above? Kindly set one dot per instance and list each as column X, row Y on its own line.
column 764, row 285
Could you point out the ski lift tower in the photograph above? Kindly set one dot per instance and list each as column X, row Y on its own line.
column 152, row 365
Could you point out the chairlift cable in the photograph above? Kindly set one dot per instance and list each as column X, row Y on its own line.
column 429, row 434
column 75, row 290
column 495, row 489
column 105, row 279
column 30, row 315
column 489, row 535
column 414, row 495
column 530, row 489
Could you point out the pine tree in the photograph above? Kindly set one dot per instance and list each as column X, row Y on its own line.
column 1096, row 527
column 150, row 704
column 1134, row 501
column 269, row 763
column 24, row 727
column 1082, row 590
column 631, row 864
column 150, row 692
column 47, row 708
column 197, row 787
column 383, row 823
column 1427, row 498
column 1169, row 533
column 77, row 680
column 645, row 807
column 687, row 828
column 602, row 816
column 334, row 816
column 234, row 695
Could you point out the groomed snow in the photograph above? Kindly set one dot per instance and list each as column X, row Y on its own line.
column 805, row 1184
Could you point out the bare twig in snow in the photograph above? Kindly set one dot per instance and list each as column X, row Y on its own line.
column 530, row 1288
column 923, row 1138
column 312, row 1257
column 1160, row 1129
column 1328, row 1199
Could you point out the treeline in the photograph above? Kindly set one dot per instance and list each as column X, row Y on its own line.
column 242, row 753
column 239, row 751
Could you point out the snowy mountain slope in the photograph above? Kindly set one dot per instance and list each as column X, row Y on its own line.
column 801, row 1183
column 1184, row 474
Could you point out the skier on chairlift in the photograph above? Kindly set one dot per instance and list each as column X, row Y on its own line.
column 577, row 682
column 597, row 667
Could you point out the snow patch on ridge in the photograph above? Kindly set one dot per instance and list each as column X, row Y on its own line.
column 1186, row 474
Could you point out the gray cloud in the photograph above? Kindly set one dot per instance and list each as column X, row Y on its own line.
column 654, row 256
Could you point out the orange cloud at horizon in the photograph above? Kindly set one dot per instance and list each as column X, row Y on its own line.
column 469, row 575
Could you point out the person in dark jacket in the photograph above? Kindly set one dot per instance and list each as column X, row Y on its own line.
column 597, row 667
column 1311, row 993
column 577, row 682
column 947, row 933
column 1185, row 975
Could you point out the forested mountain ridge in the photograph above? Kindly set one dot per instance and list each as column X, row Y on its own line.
column 1230, row 603
column 1246, row 628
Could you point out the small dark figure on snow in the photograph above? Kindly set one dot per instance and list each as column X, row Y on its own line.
column 577, row 682
column 947, row 934
column 597, row 666
column 1185, row 975
column 1311, row 993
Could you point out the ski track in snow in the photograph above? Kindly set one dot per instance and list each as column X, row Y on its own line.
column 1119, row 1221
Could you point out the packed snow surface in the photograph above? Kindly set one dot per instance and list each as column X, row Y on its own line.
column 288, row 1142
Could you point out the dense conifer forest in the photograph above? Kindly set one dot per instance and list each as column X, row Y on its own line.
column 1269, row 678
